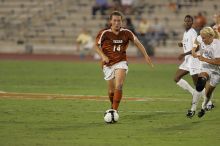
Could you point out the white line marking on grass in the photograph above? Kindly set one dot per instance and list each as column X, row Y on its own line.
column 143, row 111
column 86, row 97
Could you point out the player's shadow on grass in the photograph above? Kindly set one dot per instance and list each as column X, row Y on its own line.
column 143, row 115
column 183, row 126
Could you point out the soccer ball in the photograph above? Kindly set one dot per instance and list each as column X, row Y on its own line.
column 111, row 116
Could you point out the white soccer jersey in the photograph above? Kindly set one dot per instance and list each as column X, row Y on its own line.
column 210, row 51
column 188, row 39
column 190, row 63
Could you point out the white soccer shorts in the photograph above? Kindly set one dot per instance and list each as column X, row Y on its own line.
column 191, row 65
column 109, row 71
column 214, row 75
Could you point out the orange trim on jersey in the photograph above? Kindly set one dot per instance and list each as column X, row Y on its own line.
column 129, row 31
column 100, row 39
column 109, row 30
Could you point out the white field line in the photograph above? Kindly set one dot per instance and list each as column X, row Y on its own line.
column 142, row 111
column 84, row 97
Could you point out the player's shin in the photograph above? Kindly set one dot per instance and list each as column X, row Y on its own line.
column 116, row 99
column 195, row 100
column 207, row 103
column 185, row 85
column 111, row 95
column 211, row 98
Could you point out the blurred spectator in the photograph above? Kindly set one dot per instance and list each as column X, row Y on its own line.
column 144, row 35
column 127, row 6
column 158, row 32
column 100, row 5
column 216, row 25
column 143, row 26
column 115, row 5
column 84, row 43
column 129, row 24
column 174, row 6
column 199, row 22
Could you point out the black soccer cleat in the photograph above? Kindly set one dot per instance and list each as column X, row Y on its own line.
column 190, row 114
column 201, row 113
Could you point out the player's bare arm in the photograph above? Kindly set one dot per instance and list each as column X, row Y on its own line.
column 195, row 49
column 215, row 61
column 101, row 54
column 143, row 51
column 181, row 56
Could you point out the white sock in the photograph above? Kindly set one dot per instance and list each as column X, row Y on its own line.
column 205, row 103
column 185, row 85
column 205, row 98
column 210, row 102
column 196, row 96
column 203, row 94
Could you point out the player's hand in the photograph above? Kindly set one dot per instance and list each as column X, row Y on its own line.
column 180, row 44
column 149, row 61
column 105, row 59
column 181, row 56
column 152, row 65
column 194, row 55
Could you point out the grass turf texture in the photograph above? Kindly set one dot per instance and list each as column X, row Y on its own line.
column 160, row 122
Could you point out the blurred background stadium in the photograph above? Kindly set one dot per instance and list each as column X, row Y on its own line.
column 32, row 109
column 52, row 26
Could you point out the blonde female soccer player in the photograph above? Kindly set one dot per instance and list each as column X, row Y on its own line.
column 210, row 68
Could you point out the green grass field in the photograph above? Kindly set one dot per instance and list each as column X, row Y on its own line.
column 159, row 120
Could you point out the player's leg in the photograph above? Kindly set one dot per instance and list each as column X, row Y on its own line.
column 194, row 78
column 210, row 87
column 197, row 93
column 120, row 75
column 111, row 89
column 209, row 105
column 209, row 91
column 196, row 96
column 181, row 82
column 109, row 77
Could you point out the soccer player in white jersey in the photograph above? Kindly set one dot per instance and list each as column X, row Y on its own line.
column 190, row 64
column 210, row 67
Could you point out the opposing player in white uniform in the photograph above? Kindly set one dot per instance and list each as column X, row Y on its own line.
column 190, row 64
column 210, row 67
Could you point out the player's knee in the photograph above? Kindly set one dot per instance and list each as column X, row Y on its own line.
column 176, row 79
column 200, row 85
column 110, row 92
column 119, row 87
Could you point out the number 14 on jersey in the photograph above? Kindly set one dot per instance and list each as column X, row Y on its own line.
column 117, row 48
